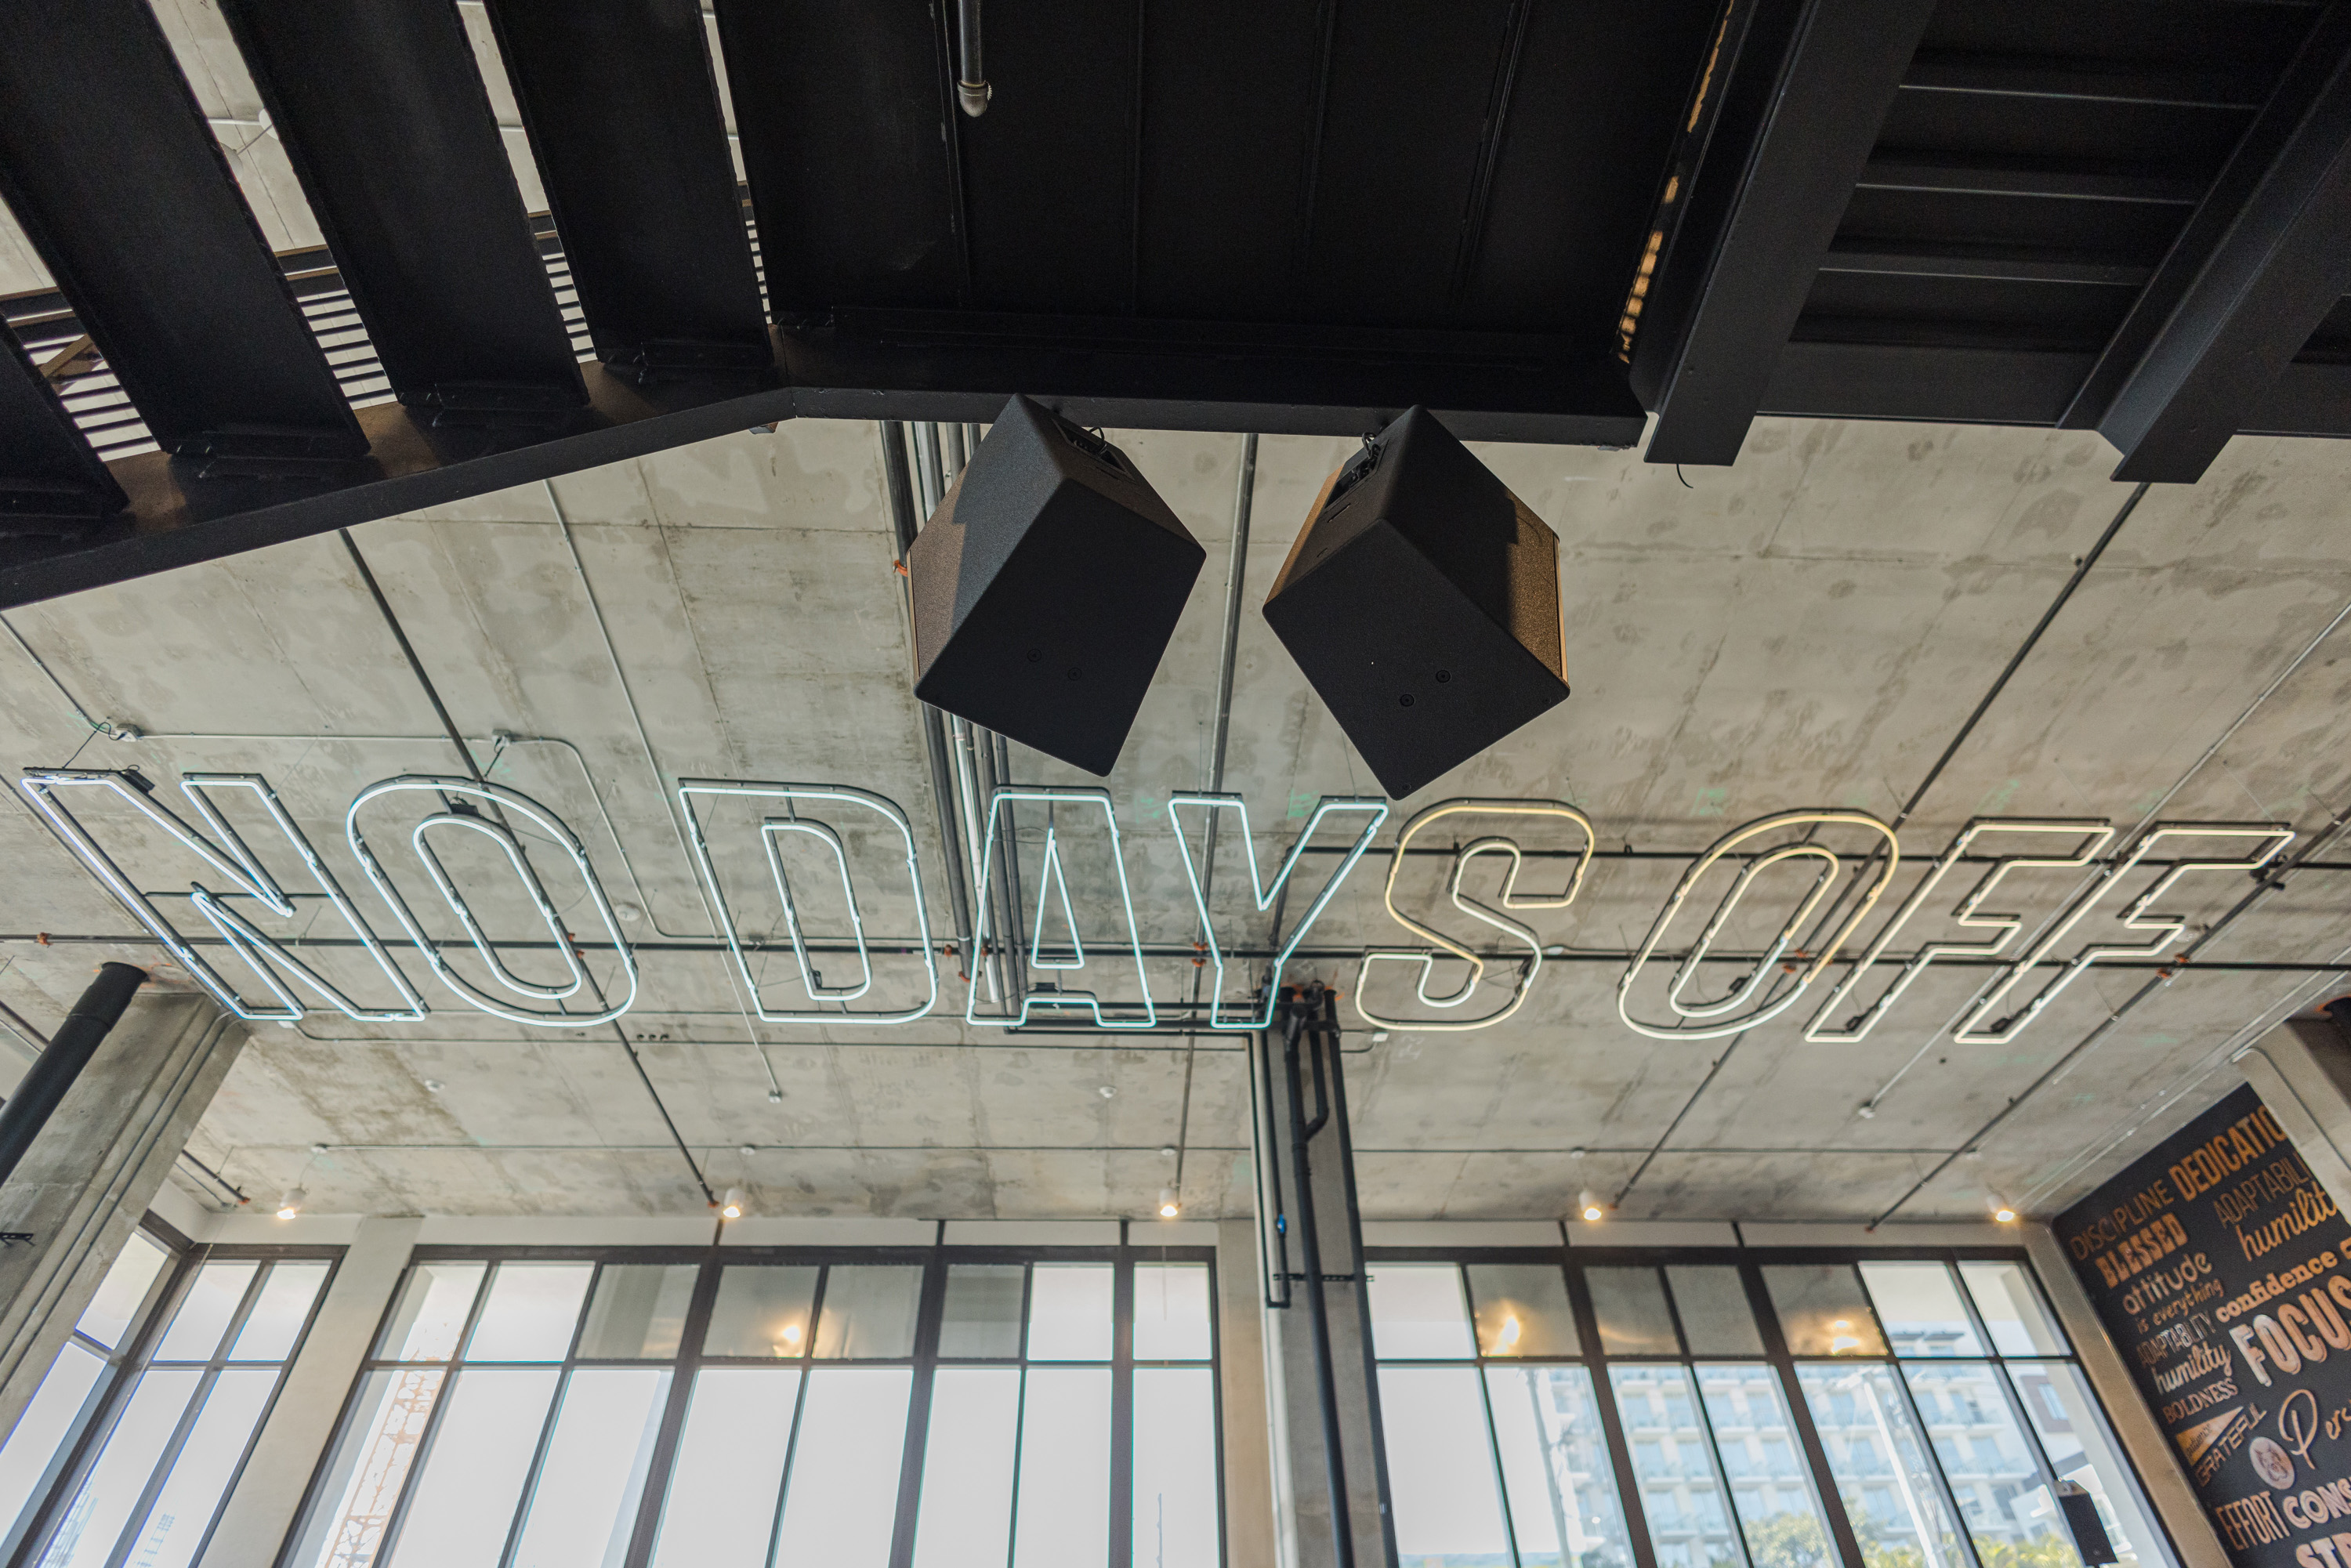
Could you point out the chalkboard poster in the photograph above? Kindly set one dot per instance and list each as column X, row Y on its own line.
column 2223, row 1271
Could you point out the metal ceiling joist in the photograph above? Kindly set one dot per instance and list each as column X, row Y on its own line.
column 623, row 115
column 107, row 162
column 388, row 125
column 1808, row 88
column 51, row 482
column 2266, row 255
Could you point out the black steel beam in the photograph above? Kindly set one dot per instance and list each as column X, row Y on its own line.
column 1940, row 384
column 51, row 481
column 2306, row 399
column 388, row 125
column 107, row 163
column 2256, row 269
column 1808, row 88
column 619, row 100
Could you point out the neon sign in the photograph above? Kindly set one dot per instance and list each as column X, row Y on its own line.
column 1104, row 976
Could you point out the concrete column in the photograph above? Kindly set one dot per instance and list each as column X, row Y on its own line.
column 1250, row 1537
column 94, row 1168
column 1301, row 1470
column 2302, row 1071
column 302, row 1423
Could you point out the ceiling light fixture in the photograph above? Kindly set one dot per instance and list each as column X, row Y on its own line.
column 738, row 1201
column 291, row 1203
column 1588, row 1204
column 2002, row 1211
column 1170, row 1206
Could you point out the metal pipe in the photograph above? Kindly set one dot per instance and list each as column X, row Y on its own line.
column 972, row 91
column 77, row 1039
column 415, row 665
column 1309, row 1249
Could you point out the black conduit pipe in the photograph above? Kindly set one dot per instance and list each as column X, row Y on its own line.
column 1310, row 1248
column 972, row 91
column 59, row 1067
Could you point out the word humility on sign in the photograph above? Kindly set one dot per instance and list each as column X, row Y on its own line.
column 825, row 820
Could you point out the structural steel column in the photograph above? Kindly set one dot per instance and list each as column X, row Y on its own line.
column 1324, row 1395
column 1249, row 1532
column 92, row 1169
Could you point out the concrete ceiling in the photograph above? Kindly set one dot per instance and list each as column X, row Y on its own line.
column 1809, row 629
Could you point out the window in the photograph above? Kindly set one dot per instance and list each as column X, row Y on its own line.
column 1756, row 1414
column 145, row 1482
column 954, row 1407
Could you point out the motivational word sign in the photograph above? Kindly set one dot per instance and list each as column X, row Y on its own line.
column 2223, row 1271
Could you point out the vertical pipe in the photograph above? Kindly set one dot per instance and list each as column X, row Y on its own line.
column 70, row 1047
column 1235, row 573
column 1310, row 1248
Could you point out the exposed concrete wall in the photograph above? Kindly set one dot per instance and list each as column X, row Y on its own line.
column 302, row 1422
column 2302, row 1071
column 1249, row 1536
column 94, row 1168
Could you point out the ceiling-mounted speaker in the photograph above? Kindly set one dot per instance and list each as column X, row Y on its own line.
column 1046, row 587
column 1422, row 602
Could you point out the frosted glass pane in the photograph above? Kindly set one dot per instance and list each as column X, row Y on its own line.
column 1171, row 1311
column 730, row 1461
column 433, row 1303
column 868, row 1313
column 1175, row 1468
column 982, row 1316
column 967, row 1506
column 1063, row 1518
column 2014, row 1313
column 1441, row 1467
column 1919, row 1305
column 203, row 1312
column 198, row 1484
column 369, row 1466
column 585, row 1505
column 1630, row 1307
column 120, row 1295
column 1418, row 1312
column 761, row 1311
column 1521, row 1309
column 1555, row 1468
column 464, row 1498
column 103, row 1506
column 276, row 1319
column 1713, row 1304
column 639, row 1313
column 1822, row 1310
column 42, row 1428
column 531, row 1312
column 842, row 1502
column 1069, row 1311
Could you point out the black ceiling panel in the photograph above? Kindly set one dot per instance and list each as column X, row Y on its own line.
column 623, row 117
column 844, row 111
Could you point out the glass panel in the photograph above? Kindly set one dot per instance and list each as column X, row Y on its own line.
column 276, row 1319
column 1441, row 1467
column 585, row 1504
column 1171, row 1311
column 464, row 1498
column 638, row 1312
column 1069, row 1313
column 1555, row 1468
column 1631, row 1307
column 760, row 1311
column 966, row 1507
column 369, row 1466
column 1919, row 1305
column 205, row 1311
column 2014, row 1313
column 1418, row 1312
column 1175, row 1522
column 1062, row 1519
column 183, row 1510
column 1521, row 1309
column 1990, row 1464
column 431, row 1312
column 108, row 1317
column 982, row 1315
column 843, row 1498
column 2073, row 1436
column 1822, row 1310
column 731, row 1461
column 1679, row 1495
column 44, row 1427
column 102, row 1507
column 1713, row 1306
column 1771, row 1486
column 869, row 1313
column 1879, row 1460
column 531, row 1312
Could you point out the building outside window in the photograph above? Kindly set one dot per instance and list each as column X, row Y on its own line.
column 1721, row 1412
column 527, row 1410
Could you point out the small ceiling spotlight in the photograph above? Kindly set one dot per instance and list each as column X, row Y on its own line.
column 1170, row 1206
column 1588, row 1204
column 1421, row 602
column 738, row 1201
column 1046, row 587
column 291, row 1203
column 2002, row 1211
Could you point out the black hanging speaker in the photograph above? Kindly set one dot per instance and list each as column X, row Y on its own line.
column 1422, row 602
column 1046, row 587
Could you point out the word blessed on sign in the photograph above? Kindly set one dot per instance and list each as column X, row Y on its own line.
column 825, row 821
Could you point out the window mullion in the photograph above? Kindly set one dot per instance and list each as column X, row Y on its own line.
column 386, row 1547
column 1612, row 1424
column 918, row 1410
column 547, row 1424
column 1122, row 1408
column 684, row 1370
column 1800, row 1414
column 800, row 1404
column 1934, row 1462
